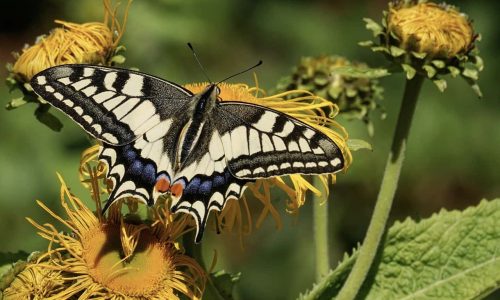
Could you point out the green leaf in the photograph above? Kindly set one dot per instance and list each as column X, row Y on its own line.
column 451, row 255
column 420, row 55
column 478, row 62
column 471, row 73
column 334, row 91
column 373, row 26
column 11, row 83
column 118, row 59
column 473, row 84
column 441, row 84
column 366, row 43
column 396, row 52
column 431, row 71
column 15, row 103
column 12, row 264
column 454, row 71
column 360, row 72
column 438, row 63
column 477, row 90
column 410, row 71
column 225, row 282
column 358, row 144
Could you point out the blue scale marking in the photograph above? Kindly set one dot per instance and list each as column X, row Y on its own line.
column 149, row 173
column 135, row 168
column 192, row 186
column 205, row 188
column 218, row 181
column 130, row 155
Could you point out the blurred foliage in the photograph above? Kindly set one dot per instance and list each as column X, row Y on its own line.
column 452, row 159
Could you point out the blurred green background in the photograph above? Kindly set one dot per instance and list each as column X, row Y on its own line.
column 453, row 156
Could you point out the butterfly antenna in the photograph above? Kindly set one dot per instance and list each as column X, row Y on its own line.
column 244, row 71
column 198, row 61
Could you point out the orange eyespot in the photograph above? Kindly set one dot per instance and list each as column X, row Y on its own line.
column 177, row 189
column 162, row 184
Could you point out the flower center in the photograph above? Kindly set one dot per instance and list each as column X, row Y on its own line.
column 144, row 273
column 432, row 29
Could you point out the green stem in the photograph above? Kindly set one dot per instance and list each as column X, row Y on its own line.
column 387, row 190
column 195, row 251
column 320, row 223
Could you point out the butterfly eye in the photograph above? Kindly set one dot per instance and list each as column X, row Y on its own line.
column 217, row 90
column 177, row 189
column 162, row 184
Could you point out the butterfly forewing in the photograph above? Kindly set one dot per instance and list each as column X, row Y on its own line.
column 113, row 105
column 260, row 142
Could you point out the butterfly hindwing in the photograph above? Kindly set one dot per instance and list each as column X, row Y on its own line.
column 260, row 142
column 113, row 105
column 208, row 182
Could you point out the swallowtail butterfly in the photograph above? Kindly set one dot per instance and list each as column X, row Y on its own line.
column 159, row 138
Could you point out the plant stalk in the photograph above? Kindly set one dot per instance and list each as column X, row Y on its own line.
column 320, row 224
column 195, row 251
column 387, row 190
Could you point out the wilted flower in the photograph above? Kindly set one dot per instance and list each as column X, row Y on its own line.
column 303, row 106
column 429, row 39
column 356, row 94
column 111, row 257
column 72, row 43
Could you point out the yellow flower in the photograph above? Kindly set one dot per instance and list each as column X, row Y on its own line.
column 108, row 257
column 92, row 43
column 429, row 39
column 303, row 106
column 438, row 30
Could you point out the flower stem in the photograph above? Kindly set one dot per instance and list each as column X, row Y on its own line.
column 195, row 251
column 387, row 190
column 320, row 224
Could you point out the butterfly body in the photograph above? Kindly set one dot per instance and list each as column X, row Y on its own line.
column 159, row 138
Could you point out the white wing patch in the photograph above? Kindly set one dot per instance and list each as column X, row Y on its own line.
column 112, row 103
column 125, row 107
column 142, row 112
column 133, row 86
column 109, row 80
column 266, row 121
column 239, row 141
column 103, row 96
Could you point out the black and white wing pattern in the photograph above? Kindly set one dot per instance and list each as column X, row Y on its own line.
column 260, row 142
column 159, row 138
column 114, row 105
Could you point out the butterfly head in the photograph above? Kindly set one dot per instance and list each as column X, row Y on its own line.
column 212, row 91
column 205, row 101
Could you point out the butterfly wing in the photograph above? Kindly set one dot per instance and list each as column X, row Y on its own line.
column 114, row 105
column 260, row 142
column 207, row 182
column 136, row 115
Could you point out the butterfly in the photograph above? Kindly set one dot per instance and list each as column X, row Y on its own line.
column 158, row 138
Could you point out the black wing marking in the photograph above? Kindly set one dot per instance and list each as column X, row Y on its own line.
column 112, row 104
column 260, row 142
column 208, row 182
